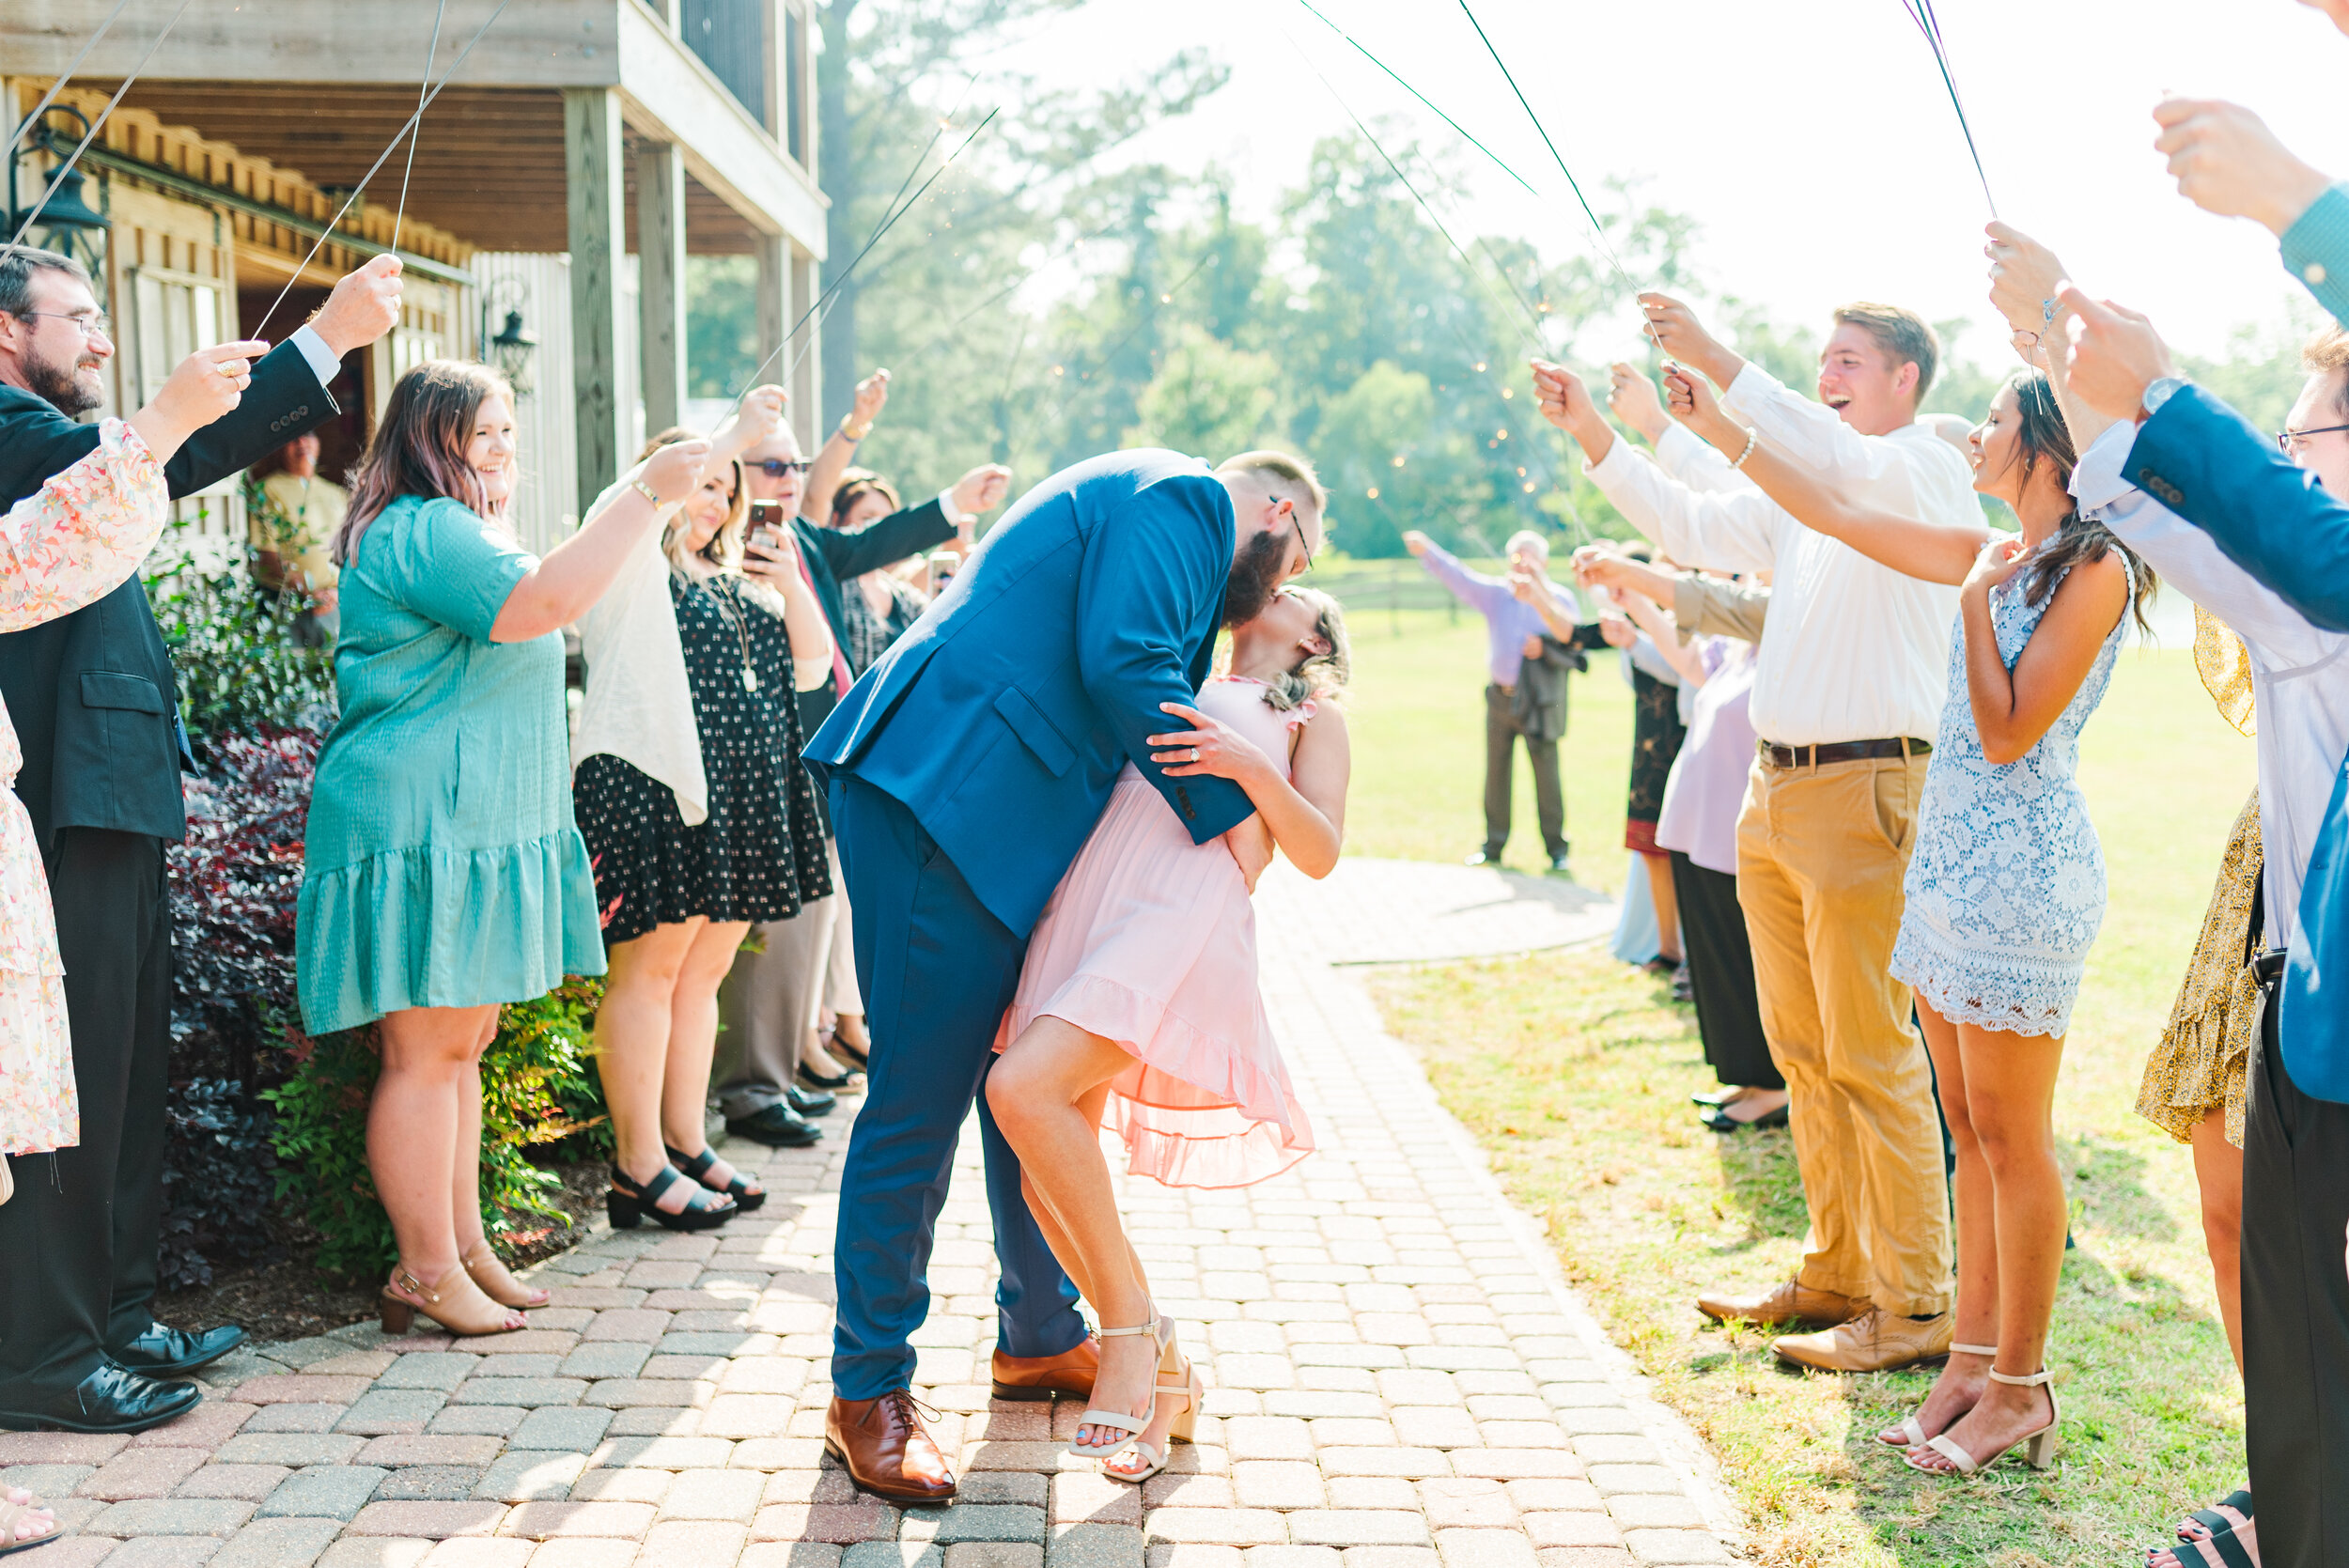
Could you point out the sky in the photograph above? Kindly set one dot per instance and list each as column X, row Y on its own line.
column 1811, row 139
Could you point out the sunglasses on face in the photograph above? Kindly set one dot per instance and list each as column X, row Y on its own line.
column 775, row 468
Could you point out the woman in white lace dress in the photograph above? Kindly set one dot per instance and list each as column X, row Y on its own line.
column 2006, row 885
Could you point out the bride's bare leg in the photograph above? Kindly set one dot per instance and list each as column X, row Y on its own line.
column 1047, row 1093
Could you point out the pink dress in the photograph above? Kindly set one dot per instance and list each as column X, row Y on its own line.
column 75, row 540
column 1150, row 941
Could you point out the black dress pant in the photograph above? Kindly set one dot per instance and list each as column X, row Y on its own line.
column 2295, row 1315
column 1720, row 974
column 1501, row 734
column 78, row 1243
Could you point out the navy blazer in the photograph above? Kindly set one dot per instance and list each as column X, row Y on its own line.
column 2205, row 463
column 96, row 708
column 1004, row 717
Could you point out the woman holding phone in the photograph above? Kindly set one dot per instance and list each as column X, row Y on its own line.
column 696, row 811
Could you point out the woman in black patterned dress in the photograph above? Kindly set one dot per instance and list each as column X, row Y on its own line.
column 677, row 898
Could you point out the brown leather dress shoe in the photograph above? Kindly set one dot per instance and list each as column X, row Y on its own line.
column 887, row 1450
column 1874, row 1341
column 1043, row 1377
column 1791, row 1301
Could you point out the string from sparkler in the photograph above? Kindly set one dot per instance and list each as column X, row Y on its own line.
column 431, row 52
column 1921, row 14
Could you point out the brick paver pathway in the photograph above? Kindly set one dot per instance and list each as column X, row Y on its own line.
column 1397, row 1378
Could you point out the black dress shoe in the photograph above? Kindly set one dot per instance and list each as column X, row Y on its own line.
column 163, row 1352
column 110, row 1400
column 810, row 1102
column 778, row 1127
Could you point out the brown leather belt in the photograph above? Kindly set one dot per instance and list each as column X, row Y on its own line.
column 1841, row 751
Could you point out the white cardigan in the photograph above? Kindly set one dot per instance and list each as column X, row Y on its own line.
column 639, row 705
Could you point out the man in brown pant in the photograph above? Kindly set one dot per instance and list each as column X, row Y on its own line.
column 1848, row 688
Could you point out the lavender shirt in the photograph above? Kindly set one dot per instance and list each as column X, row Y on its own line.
column 1708, row 786
column 1508, row 621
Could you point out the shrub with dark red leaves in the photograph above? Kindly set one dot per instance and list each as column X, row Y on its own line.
column 234, row 883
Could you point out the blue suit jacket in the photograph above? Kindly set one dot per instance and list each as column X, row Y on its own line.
column 1002, row 718
column 2203, row 463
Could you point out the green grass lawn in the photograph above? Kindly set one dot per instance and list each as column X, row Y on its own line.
column 1574, row 1071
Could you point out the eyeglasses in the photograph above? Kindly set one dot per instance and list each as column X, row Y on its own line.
column 775, row 468
column 2289, row 440
column 93, row 323
column 1299, row 524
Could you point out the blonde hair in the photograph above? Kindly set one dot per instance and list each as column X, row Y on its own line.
column 2328, row 354
column 724, row 549
column 1317, row 677
column 1290, row 478
column 1903, row 335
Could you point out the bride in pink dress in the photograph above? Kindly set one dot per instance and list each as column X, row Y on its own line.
column 1138, row 1009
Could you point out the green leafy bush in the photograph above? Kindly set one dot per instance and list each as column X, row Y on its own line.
column 538, row 1093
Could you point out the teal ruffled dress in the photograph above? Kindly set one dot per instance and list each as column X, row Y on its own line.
column 443, row 866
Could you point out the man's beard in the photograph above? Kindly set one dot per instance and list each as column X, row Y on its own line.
column 1255, row 577
column 62, row 387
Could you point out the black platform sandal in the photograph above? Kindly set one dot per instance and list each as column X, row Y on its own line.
column 628, row 1204
column 745, row 1196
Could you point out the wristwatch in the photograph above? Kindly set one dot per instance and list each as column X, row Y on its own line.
column 2160, row 392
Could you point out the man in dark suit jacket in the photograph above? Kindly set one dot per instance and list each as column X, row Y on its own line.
column 967, row 769
column 96, row 712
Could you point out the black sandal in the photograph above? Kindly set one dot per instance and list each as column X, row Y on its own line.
column 2220, row 1541
column 858, row 1061
column 628, row 1204
column 745, row 1196
column 810, row 1079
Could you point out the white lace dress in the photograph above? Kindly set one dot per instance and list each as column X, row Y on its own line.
column 2006, row 889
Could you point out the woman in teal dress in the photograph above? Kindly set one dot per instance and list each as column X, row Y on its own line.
column 444, row 873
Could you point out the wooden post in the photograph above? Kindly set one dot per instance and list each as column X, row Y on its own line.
column 661, row 283
column 592, row 192
column 774, row 307
column 806, row 387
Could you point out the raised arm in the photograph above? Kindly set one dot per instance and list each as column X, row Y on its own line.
column 560, row 587
column 1732, row 529
column 1937, row 553
column 2026, row 285
column 1306, row 817
column 1479, row 592
column 1685, row 662
column 823, row 477
column 1152, row 572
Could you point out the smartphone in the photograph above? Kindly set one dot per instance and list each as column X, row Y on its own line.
column 766, row 529
column 943, row 564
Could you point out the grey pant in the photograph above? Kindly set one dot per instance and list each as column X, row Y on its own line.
column 1549, row 801
column 768, row 1005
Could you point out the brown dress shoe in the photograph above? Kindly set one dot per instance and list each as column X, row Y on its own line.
column 1043, row 1377
column 887, row 1450
column 1876, row 1341
column 1789, row 1302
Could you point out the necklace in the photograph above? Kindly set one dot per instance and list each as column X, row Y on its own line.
column 739, row 620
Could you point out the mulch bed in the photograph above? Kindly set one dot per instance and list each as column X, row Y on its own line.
column 288, row 1298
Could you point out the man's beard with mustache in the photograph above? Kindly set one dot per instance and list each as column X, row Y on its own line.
column 62, row 387
column 1255, row 577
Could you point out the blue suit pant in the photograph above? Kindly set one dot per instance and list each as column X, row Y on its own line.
column 938, row 970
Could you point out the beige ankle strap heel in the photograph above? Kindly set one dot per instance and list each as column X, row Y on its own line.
column 2039, row 1446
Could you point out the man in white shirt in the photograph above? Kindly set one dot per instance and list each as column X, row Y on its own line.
column 1850, row 683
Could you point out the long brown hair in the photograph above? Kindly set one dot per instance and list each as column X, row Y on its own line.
column 419, row 446
column 2046, row 439
column 724, row 549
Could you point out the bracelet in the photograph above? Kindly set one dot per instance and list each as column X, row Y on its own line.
column 646, row 490
column 854, row 432
column 1753, row 438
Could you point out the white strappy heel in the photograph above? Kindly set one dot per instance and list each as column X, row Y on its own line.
column 1185, row 1427
column 2041, row 1443
column 1913, row 1430
column 1132, row 1426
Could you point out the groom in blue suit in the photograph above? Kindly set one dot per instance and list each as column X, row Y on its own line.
column 967, row 769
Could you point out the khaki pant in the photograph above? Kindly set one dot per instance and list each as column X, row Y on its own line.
column 768, row 1004
column 1821, row 852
